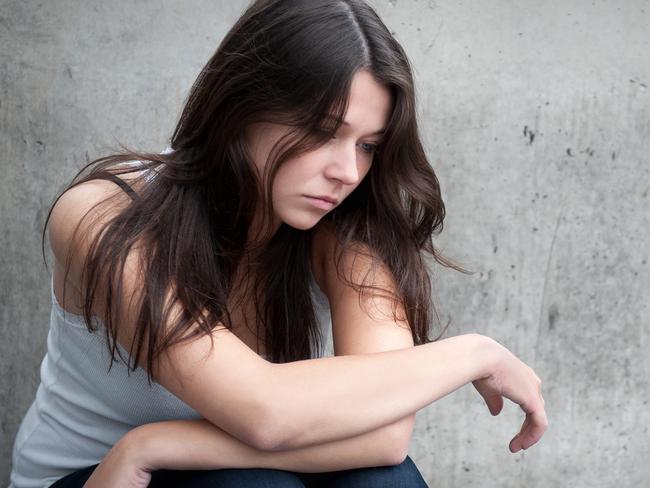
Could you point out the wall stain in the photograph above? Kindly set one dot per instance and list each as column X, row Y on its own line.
column 530, row 134
column 553, row 315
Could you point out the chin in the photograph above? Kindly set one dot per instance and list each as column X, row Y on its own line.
column 302, row 222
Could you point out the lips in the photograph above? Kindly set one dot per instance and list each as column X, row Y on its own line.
column 324, row 202
column 327, row 198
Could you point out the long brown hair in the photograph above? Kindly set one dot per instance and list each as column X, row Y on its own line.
column 289, row 62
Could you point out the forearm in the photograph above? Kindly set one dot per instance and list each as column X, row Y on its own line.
column 198, row 444
column 323, row 400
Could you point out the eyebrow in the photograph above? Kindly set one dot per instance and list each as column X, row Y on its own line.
column 379, row 132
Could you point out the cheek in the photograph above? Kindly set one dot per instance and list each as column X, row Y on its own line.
column 287, row 178
column 296, row 171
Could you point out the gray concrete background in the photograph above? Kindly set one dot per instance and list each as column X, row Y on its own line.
column 536, row 118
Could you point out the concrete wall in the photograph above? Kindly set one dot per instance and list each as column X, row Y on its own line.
column 536, row 118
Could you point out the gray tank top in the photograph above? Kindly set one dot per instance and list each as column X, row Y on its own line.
column 81, row 409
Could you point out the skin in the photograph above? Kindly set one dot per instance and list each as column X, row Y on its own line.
column 336, row 168
column 361, row 404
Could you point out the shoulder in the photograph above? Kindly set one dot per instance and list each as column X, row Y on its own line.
column 366, row 305
column 76, row 219
column 80, row 208
column 337, row 268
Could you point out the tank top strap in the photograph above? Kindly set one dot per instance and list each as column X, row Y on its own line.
column 122, row 184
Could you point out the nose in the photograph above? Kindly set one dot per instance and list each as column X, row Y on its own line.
column 343, row 163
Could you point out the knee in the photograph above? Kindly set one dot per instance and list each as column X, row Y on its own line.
column 402, row 475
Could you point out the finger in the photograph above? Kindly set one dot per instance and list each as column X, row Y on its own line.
column 531, row 431
column 495, row 404
column 492, row 397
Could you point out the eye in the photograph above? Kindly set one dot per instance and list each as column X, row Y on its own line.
column 368, row 148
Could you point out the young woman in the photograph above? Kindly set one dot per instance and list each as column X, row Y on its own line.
column 190, row 287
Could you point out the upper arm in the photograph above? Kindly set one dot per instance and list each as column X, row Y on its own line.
column 217, row 374
column 360, row 323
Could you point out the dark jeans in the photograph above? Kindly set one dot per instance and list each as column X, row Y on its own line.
column 405, row 475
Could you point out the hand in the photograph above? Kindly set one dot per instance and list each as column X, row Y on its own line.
column 511, row 378
column 121, row 468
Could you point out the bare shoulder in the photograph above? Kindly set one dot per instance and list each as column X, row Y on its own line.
column 82, row 206
column 76, row 218
column 335, row 268
column 366, row 311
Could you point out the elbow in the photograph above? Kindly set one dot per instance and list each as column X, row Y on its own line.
column 269, row 429
column 261, row 434
column 398, row 440
column 258, row 427
column 270, row 435
column 263, row 439
column 395, row 455
column 273, row 434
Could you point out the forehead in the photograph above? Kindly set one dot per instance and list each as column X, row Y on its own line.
column 369, row 103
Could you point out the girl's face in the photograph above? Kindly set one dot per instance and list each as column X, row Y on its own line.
column 304, row 185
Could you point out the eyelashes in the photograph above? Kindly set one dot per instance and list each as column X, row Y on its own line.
column 368, row 148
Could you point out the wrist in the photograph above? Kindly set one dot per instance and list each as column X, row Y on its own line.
column 137, row 447
column 485, row 352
